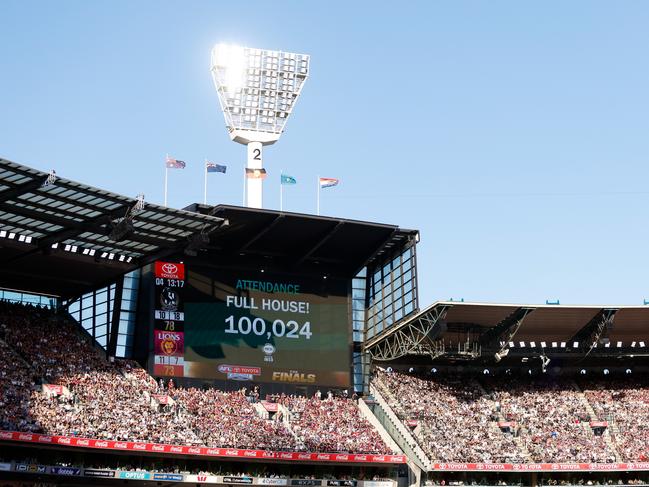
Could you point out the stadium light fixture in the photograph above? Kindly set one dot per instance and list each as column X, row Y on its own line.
column 3, row 233
column 563, row 344
column 575, row 344
column 257, row 90
column 11, row 235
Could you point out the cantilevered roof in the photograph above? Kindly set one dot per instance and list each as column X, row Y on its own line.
column 53, row 229
column 447, row 328
column 296, row 242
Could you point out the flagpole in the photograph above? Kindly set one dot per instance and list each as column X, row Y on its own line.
column 166, row 178
column 281, row 192
column 205, row 183
column 318, row 197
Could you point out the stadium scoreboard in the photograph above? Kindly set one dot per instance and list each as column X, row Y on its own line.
column 240, row 325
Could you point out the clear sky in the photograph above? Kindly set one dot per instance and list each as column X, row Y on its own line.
column 513, row 135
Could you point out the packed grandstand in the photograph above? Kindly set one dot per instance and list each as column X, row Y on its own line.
column 453, row 419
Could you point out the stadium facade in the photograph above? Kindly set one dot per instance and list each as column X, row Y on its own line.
column 190, row 306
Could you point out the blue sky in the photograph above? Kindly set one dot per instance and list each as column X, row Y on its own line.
column 514, row 135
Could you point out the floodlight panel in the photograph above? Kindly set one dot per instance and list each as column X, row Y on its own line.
column 257, row 90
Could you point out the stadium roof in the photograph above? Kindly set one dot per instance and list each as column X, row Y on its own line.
column 299, row 242
column 64, row 238
column 452, row 329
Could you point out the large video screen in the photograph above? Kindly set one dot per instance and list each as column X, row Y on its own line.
column 273, row 328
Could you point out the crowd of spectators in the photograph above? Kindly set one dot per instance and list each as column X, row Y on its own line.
column 453, row 418
column 457, row 420
column 334, row 423
column 118, row 400
column 229, row 420
column 625, row 404
column 553, row 420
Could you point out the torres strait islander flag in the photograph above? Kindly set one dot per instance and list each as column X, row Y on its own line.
column 328, row 182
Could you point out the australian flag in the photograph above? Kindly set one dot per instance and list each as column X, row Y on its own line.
column 175, row 163
column 211, row 167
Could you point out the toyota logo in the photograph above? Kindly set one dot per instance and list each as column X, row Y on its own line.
column 169, row 268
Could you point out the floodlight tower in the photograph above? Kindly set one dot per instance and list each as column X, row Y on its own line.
column 257, row 91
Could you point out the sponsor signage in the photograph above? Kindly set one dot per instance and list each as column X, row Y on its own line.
column 30, row 468
column 540, row 467
column 175, row 477
column 5, row 467
column 306, row 482
column 170, row 270
column 65, row 471
column 239, row 369
column 202, row 479
column 237, row 480
column 92, row 472
column 263, row 481
column 135, row 475
column 199, row 451
column 342, row 483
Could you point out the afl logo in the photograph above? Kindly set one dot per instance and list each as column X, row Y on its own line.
column 169, row 299
column 269, row 349
column 169, row 268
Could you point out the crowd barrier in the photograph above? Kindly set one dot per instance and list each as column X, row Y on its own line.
column 540, row 467
column 198, row 450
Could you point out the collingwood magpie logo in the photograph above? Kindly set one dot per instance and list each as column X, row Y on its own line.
column 169, row 299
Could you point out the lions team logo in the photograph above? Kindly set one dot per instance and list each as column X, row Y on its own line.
column 168, row 346
column 169, row 299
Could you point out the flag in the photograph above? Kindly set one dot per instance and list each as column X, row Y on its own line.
column 211, row 167
column 255, row 173
column 328, row 182
column 175, row 163
column 285, row 179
